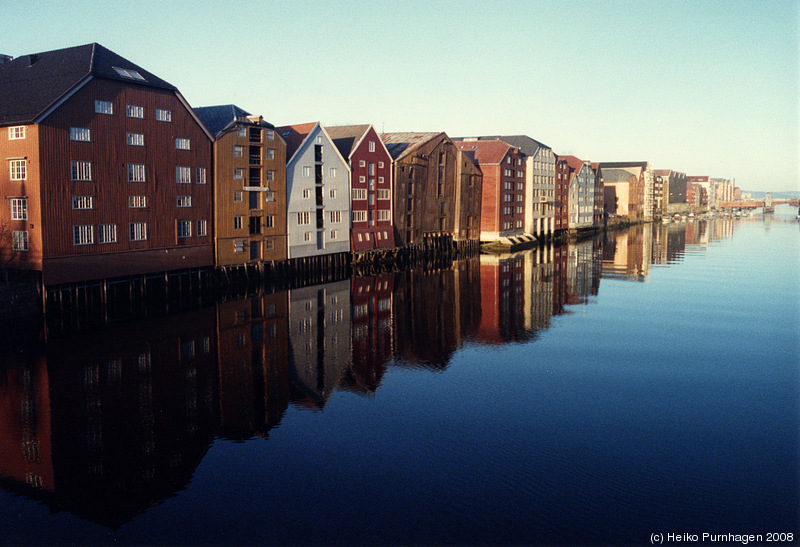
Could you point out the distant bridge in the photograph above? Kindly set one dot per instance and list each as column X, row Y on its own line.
column 754, row 204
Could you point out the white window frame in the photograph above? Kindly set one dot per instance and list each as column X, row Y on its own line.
column 134, row 139
column 19, row 240
column 137, row 172
column 103, row 107
column 134, row 111
column 201, row 175
column 238, row 173
column 18, row 169
column 183, row 229
column 384, row 214
column 182, row 143
column 107, row 233
column 238, row 222
column 80, row 134
column 81, row 170
column 82, row 202
column 336, row 216
column 19, row 208
column 384, row 194
column 359, row 194
column 303, row 218
column 137, row 202
column 163, row 115
column 202, row 228
column 306, row 170
column 137, row 231
column 16, row 132
column 184, row 201
column 359, row 216
column 83, row 234
column 183, row 175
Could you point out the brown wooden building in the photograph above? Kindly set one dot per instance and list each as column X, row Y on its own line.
column 425, row 168
column 107, row 169
column 249, row 186
column 468, row 200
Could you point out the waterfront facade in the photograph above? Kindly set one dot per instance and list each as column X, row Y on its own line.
column 317, row 192
column 581, row 193
column 503, row 192
column 469, row 188
column 370, row 185
column 107, row 168
column 249, row 186
column 561, row 202
column 424, row 175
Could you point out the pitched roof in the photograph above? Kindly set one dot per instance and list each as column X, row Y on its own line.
column 346, row 137
column 295, row 135
column 574, row 162
column 623, row 164
column 526, row 144
column 402, row 144
column 220, row 117
column 31, row 85
column 486, row 152
column 617, row 175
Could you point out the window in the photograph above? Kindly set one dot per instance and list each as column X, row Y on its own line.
column 269, row 154
column 18, row 169
column 238, row 173
column 103, row 107
column 183, row 175
column 307, row 171
column 83, row 234
column 183, row 144
column 16, row 133
column 107, row 233
column 359, row 216
column 134, row 139
column 269, row 221
column 138, row 231
column 269, row 134
column 184, row 201
column 137, row 202
column 82, row 202
column 81, row 170
column 508, row 185
column 202, row 228
column 380, row 165
column 134, row 111
column 79, row 134
column 238, row 246
column 241, row 131
column 306, row 193
column 333, row 234
column 19, row 208
column 269, row 196
column 163, row 115
column 520, row 174
column 336, row 216
column 238, row 151
column 238, row 222
column 269, row 175
column 371, row 169
column 332, row 193
column 359, row 193
column 184, row 228
column 129, row 73
column 307, row 236
column 238, row 196
column 19, row 240
column 303, row 218
column 136, row 172
column 332, row 172
column 383, row 194
column 201, row 175
column 269, row 245
column 383, row 214
column 362, row 163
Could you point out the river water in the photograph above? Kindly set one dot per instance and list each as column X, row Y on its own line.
column 596, row 392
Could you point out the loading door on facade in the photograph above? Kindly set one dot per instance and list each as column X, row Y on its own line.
column 255, row 250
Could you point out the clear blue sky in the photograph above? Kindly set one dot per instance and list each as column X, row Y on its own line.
column 703, row 87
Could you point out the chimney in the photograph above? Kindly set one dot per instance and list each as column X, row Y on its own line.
column 5, row 58
column 32, row 58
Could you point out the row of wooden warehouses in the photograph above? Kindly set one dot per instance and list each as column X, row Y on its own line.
column 111, row 173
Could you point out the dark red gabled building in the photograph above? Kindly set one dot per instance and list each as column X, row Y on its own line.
column 108, row 170
column 371, row 185
column 561, row 213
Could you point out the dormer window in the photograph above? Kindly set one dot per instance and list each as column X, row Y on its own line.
column 129, row 73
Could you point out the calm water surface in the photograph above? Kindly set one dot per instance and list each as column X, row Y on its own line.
column 596, row 392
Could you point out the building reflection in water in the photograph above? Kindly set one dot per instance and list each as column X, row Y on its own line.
column 109, row 422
